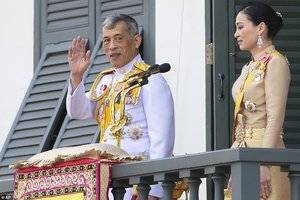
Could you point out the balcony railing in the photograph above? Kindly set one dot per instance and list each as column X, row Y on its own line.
column 244, row 164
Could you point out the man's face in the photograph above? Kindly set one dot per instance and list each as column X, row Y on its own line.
column 119, row 46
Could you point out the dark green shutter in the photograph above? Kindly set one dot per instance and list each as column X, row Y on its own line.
column 217, row 77
column 288, row 41
column 78, row 132
column 40, row 114
column 59, row 21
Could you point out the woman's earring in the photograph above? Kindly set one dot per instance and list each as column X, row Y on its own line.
column 259, row 42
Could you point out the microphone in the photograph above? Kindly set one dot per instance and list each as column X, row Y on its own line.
column 154, row 69
column 165, row 67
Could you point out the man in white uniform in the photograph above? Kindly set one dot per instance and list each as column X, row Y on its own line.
column 139, row 120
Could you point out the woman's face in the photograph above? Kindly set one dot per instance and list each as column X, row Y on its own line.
column 246, row 32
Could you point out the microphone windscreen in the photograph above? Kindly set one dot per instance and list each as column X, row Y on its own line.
column 165, row 67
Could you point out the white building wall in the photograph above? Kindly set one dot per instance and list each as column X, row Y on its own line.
column 180, row 40
column 16, row 56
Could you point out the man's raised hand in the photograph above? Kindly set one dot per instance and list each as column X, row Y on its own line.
column 79, row 60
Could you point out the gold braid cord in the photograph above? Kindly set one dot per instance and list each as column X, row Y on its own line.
column 110, row 109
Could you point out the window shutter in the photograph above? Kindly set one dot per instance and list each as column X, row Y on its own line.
column 40, row 113
column 288, row 41
column 59, row 21
column 78, row 132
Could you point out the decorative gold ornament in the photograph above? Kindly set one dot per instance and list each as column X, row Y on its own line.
column 129, row 119
column 110, row 109
column 250, row 106
column 135, row 132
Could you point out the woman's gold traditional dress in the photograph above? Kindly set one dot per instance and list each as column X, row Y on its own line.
column 260, row 94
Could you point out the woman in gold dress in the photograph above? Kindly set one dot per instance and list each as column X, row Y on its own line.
column 260, row 93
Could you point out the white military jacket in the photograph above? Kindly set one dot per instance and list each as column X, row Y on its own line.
column 151, row 129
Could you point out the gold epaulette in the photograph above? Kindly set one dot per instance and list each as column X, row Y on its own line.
column 279, row 54
column 142, row 66
column 93, row 95
column 107, row 71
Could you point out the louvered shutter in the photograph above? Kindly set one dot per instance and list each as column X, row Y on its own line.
column 78, row 132
column 288, row 41
column 59, row 21
column 36, row 123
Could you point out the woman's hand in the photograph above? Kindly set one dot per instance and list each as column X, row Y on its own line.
column 152, row 198
column 265, row 182
column 229, row 185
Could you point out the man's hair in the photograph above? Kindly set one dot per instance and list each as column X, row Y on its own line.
column 111, row 21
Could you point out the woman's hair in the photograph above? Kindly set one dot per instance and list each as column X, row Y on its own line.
column 258, row 12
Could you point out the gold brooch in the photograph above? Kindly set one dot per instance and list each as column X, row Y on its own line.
column 259, row 74
column 128, row 119
column 118, row 86
column 117, row 115
column 100, row 113
column 128, row 100
column 250, row 106
column 135, row 132
column 101, row 90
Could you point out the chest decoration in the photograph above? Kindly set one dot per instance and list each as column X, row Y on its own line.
column 250, row 106
column 258, row 75
column 102, row 89
column 259, row 72
column 135, row 132
column 110, row 110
